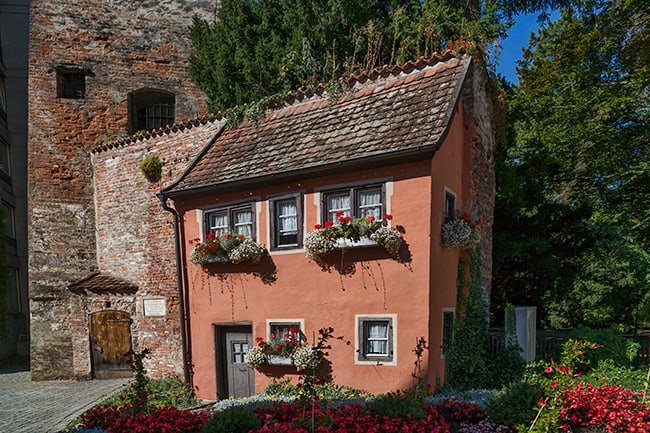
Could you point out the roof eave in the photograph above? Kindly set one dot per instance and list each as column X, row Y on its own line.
column 422, row 152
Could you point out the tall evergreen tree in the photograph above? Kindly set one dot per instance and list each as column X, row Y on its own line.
column 573, row 228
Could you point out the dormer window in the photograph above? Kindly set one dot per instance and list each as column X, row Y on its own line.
column 70, row 83
column 151, row 109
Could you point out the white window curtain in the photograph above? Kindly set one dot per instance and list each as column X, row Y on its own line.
column 243, row 223
column 377, row 338
column 338, row 203
column 370, row 203
column 219, row 223
column 288, row 217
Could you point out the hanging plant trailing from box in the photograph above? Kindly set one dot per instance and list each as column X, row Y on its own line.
column 227, row 248
column 151, row 168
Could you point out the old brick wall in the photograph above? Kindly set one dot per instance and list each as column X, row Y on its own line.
column 135, row 238
column 480, row 125
column 123, row 46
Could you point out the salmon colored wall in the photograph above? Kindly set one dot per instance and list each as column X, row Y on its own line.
column 415, row 291
column 451, row 160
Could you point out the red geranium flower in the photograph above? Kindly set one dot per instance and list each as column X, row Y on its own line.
column 329, row 223
column 210, row 235
column 465, row 217
column 338, row 214
column 341, row 219
column 389, row 216
column 318, row 226
column 240, row 236
column 293, row 330
column 227, row 236
column 371, row 218
column 479, row 222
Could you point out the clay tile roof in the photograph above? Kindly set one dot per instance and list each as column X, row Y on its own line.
column 99, row 283
column 387, row 113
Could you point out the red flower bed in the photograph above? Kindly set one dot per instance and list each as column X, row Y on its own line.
column 119, row 419
column 291, row 418
column 613, row 408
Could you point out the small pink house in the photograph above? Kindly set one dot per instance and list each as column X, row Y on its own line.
column 405, row 146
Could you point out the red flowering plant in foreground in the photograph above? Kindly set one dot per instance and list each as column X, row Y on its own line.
column 612, row 408
column 226, row 248
column 119, row 419
column 556, row 379
column 353, row 418
column 324, row 238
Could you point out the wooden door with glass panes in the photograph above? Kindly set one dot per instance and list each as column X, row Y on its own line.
column 240, row 376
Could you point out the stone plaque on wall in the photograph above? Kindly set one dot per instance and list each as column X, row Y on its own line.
column 155, row 307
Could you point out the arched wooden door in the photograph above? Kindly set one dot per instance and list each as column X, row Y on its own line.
column 110, row 340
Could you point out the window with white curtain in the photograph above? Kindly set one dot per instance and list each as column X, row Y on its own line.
column 375, row 338
column 355, row 202
column 236, row 220
column 286, row 221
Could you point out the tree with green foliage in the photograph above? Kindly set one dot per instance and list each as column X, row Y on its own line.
column 572, row 226
column 257, row 49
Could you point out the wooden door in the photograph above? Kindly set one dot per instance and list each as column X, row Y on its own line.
column 110, row 340
column 235, row 378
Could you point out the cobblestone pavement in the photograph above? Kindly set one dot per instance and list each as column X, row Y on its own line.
column 46, row 407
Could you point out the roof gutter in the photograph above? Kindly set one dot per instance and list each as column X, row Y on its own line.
column 184, row 317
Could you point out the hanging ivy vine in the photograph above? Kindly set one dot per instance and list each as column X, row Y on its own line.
column 466, row 366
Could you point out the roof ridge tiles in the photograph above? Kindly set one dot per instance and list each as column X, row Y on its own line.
column 157, row 132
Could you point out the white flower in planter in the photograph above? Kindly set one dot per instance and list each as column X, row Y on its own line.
column 461, row 232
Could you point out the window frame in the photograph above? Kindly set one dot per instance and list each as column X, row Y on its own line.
column 447, row 320
column 361, row 354
column 70, row 83
column 9, row 217
column 145, row 99
column 273, row 324
column 230, row 209
column 450, row 204
column 274, row 225
column 353, row 193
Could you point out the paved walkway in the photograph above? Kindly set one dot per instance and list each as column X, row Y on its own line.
column 46, row 407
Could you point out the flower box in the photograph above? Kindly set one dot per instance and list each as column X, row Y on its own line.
column 352, row 233
column 280, row 360
column 350, row 243
column 226, row 249
column 215, row 259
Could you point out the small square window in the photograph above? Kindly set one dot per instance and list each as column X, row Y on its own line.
column 71, row 84
column 375, row 336
column 357, row 202
column 285, row 331
column 236, row 220
column 286, row 221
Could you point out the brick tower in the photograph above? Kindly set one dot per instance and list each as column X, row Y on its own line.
column 98, row 70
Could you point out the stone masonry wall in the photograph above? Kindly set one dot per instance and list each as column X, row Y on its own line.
column 135, row 238
column 480, row 125
column 124, row 46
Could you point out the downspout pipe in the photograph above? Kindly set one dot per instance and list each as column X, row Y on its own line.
column 181, row 295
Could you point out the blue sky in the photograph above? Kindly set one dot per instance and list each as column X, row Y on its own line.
column 512, row 45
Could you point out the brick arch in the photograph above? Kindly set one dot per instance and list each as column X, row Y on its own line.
column 151, row 108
